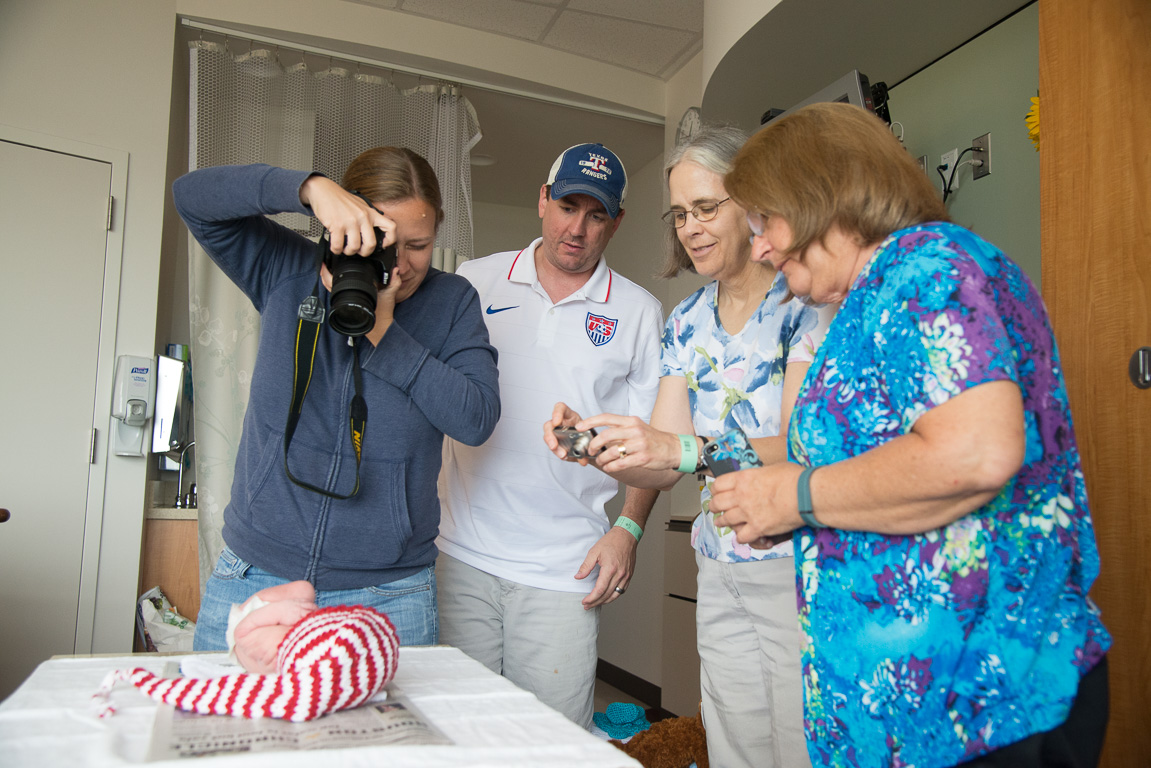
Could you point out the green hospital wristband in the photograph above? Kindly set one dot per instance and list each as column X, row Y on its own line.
column 688, row 453
column 629, row 525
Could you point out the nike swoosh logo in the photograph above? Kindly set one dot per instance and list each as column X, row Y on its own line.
column 491, row 311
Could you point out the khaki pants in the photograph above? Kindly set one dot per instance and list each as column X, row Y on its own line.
column 747, row 631
column 542, row 640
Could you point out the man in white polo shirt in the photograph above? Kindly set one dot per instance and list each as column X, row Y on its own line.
column 526, row 553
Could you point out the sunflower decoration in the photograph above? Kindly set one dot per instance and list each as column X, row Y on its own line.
column 1032, row 121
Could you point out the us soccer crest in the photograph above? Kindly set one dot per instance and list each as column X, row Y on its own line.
column 600, row 329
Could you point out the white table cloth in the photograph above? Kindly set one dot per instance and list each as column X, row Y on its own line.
column 50, row 720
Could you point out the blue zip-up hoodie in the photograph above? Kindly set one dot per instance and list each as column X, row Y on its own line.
column 433, row 373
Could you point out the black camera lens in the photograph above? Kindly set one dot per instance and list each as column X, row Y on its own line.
column 355, row 281
column 354, row 286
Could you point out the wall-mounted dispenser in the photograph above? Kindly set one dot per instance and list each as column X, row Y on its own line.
column 133, row 402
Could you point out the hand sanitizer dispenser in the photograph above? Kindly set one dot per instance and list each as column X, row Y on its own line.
column 133, row 402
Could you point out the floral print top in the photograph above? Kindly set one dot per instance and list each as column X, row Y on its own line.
column 737, row 381
column 928, row 650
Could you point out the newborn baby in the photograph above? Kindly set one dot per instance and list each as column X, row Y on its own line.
column 256, row 628
column 302, row 661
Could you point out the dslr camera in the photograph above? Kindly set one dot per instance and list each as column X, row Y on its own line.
column 355, row 281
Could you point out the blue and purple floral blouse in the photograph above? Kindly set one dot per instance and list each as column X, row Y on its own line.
column 930, row 649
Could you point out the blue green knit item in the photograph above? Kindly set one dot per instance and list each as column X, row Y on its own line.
column 621, row 720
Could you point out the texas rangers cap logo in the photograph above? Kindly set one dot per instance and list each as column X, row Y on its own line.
column 600, row 329
column 596, row 165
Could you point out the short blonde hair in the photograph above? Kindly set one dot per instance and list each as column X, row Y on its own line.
column 833, row 165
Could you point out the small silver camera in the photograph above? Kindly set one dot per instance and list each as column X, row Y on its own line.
column 574, row 441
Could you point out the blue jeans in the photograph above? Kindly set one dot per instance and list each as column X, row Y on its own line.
column 410, row 602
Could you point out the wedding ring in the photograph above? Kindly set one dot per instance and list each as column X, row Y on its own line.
column 617, row 589
column 622, row 450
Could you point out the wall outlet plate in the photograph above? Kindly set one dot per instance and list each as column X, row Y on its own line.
column 981, row 150
column 948, row 160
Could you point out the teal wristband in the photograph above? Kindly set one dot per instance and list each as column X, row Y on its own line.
column 803, row 496
column 629, row 525
column 688, row 453
column 701, row 465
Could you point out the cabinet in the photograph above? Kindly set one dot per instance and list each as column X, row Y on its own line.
column 170, row 559
column 679, row 692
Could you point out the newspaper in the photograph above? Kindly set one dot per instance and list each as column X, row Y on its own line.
column 177, row 734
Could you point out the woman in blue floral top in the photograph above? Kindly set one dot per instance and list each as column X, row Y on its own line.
column 943, row 542
column 734, row 354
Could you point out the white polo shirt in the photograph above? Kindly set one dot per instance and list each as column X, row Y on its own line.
column 510, row 507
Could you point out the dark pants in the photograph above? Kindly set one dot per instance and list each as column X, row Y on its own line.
column 1076, row 743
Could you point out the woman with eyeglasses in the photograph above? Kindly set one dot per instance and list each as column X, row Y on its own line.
column 734, row 355
column 944, row 543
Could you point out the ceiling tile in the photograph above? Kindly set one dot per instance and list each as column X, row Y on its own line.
column 680, row 14
column 506, row 17
column 641, row 47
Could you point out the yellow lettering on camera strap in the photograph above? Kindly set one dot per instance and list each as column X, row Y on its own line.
column 310, row 319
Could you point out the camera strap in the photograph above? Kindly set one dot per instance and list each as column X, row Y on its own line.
column 310, row 319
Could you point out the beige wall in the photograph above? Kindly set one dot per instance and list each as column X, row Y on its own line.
column 100, row 73
column 724, row 23
column 497, row 228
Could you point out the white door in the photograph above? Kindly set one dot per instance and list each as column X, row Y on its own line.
column 53, row 241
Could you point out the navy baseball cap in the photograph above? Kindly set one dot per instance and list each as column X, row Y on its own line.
column 590, row 169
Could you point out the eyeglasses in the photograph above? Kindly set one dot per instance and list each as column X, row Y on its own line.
column 758, row 222
column 701, row 212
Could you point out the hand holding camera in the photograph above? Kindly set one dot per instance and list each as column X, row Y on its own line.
column 574, row 441
column 349, row 218
column 614, row 443
column 361, row 255
column 730, row 452
column 560, row 435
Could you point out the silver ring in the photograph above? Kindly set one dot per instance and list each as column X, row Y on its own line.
column 617, row 589
column 622, row 450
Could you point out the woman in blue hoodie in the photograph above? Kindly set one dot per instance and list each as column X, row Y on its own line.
column 360, row 528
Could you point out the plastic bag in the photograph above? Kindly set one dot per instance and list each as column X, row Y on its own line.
column 161, row 628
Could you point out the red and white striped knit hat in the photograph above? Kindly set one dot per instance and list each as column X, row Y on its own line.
column 334, row 658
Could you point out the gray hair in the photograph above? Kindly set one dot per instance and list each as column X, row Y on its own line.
column 712, row 148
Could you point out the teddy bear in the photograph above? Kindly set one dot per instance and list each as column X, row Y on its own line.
column 676, row 742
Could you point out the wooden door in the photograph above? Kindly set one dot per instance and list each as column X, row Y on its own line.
column 53, row 214
column 1095, row 202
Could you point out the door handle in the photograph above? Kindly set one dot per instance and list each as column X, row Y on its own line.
column 4, row 515
column 1139, row 369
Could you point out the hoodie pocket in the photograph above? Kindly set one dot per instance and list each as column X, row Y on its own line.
column 370, row 531
column 373, row 529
